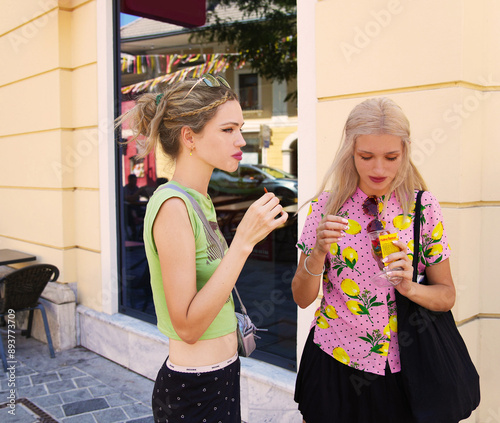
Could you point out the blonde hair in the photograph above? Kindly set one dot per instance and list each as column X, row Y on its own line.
column 375, row 116
column 159, row 117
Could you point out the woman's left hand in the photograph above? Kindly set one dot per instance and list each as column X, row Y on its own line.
column 403, row 263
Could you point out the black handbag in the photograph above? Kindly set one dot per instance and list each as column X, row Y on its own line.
column 439, row 378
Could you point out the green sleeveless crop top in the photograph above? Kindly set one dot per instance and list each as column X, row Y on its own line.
column 208, row 258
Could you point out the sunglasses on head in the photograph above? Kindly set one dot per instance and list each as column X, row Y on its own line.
column 210, row 81
column 370, row 207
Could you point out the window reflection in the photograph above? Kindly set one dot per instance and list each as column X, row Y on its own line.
column 154, row 54
column 264, row 284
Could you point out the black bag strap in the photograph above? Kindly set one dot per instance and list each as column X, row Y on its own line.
column 209, row 229
column 416, row 234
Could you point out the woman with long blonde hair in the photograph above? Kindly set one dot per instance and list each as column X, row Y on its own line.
column 350, row 367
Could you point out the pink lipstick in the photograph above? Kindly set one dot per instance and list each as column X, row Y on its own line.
column 377, row 180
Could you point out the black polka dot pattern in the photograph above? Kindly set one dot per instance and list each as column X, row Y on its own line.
column 211, row 397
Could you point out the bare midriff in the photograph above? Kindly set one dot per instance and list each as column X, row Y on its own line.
column 204, row 352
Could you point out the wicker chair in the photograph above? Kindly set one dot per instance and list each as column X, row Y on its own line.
column 21, row 290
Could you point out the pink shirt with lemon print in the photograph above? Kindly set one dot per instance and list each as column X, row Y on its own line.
column 356, row 322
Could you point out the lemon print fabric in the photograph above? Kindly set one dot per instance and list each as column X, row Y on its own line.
column 334, row 249
column 339, row 354
column 393, row 323
column 378, row 343
column 360, row 302
column 350, row 287
column 411, row 246
column 350, row 256
column 437, row 232
column 304, row 248
column 432, row 246
column 311, row 206
column 393, row 318
column 325, row 314
column 402, row 222
column 347, row 259
column 354, row 227
column 355, row 307
column 435, row 250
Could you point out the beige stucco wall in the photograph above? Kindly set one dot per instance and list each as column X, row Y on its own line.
column 49, row 178
column 275, row 151
column 439, row 61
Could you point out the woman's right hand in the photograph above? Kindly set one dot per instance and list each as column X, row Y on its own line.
column 330, row 230
column 260, row 220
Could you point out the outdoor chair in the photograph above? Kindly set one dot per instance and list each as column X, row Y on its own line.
column 20, row 291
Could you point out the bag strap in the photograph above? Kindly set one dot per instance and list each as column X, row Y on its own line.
column 416, row 234
column 209, row 229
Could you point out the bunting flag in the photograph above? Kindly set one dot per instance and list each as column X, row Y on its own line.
column 212, row 63
column 163, row 63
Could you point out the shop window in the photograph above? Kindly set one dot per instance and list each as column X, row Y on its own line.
column 265, row 282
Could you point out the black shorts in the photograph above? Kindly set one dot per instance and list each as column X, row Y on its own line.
column 207, row 397
column 329, row 391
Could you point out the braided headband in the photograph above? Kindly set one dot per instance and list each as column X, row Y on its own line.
column 210, row 106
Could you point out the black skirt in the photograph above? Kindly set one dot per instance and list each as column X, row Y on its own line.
column 329, row 391
column 210, row 397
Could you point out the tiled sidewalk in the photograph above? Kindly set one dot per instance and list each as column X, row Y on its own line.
column 77, row 386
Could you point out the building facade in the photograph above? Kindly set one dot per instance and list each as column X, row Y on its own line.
column 438, row 60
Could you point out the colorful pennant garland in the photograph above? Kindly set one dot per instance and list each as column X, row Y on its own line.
column 212, row 63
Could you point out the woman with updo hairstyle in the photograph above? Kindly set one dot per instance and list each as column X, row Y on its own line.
column 350, row 370
column 198, row 124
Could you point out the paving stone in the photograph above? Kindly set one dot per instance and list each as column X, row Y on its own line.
column 48, row 401
column 24, row 370
column 55, row 411
column 19, row 382
column 70, row 373
column 60, row 386
column 101, row 390
column 76, row 395
column 86, row 381
column 39, row 378
column 123, row 380
column 23, row 381
column 83, row 418
column 32, row 391
column 137, row 410
column 116, row 400
column 80, row 407
column 110, row 415
column 142, row 420
column 69, row 380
